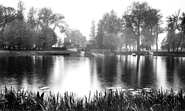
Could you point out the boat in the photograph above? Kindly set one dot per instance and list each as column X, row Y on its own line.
column 134, row 54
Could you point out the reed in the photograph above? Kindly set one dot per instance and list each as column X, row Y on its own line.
column 109, row 100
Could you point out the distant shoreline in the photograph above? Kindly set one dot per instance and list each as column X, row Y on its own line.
column 73, row 53
column 30, row 53
column 159, row 53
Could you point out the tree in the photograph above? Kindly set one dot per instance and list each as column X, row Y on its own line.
column 45, row 17
column 58, row 21
column 111, row 23
column 100, row 34
column 18, row 34
column 128, row 37
column 7, row 15
column 182, row 30
column 48, row 19
column 147, row 39
column 111, row 41
column 107, row 27
column 32, row 17
column 151, row 29
column 74, row 33
column 134, row 18
column 46, row 38
column 92, row 33
column 172, row 26
column 20, row 11
column 158, row 30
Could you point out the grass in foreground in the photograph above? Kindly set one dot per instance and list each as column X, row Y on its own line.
column 119, row 100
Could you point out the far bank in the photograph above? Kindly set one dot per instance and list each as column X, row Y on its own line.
column 46, row 52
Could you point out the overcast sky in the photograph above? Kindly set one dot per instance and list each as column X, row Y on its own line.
column 79, row 13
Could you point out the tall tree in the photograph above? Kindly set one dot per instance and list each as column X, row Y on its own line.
column 7, row 15
column 128, row 38
column 108, row 27
column 58, row 21
column 45, row 17
column 32, row 17
column 111, row 23
column 92, row 33
column 110, row 41
column 182, row 30
column 46, row 38
column 18, row 34
column 134, row 18
column 152, row 22
column 20, row 11
column 100, row 34
column 158, row 30
column 172, row 26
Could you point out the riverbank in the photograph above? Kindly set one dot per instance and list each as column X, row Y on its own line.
column 110, row 100
column 47, row 52
column 159, row 53
column 78, row 54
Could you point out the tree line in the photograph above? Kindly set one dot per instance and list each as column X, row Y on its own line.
column 34, row 31
column 138, row 28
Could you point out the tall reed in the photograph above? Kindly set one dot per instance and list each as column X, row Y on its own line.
column 109, row 100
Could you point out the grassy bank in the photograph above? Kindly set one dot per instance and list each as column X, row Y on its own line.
column 123, row 100
column 29, row 53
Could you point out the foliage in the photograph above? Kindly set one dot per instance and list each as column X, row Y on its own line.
column 111, row 23
column 108, row 28
column 45, row 17
column 32, row 17
column 7, row 15
column 148, row 39
column 111, row 41
column 128, row 37
column 18, row 34
column 182, row 24
column 92, row 34
column 172, row 37
column 100, row 34
column 46, row 38
column 20, row 11
column 119, row 100
column 74, row 33
column 140, row 16
column 151, row 28
column 134, row 19
column 48, row 19
column 58, row 21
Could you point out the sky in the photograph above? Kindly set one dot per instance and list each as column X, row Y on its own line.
column 79, row 13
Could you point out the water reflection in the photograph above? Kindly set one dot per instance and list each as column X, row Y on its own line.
column 81, row 74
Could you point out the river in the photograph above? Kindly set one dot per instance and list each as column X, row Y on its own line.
column 83, row 74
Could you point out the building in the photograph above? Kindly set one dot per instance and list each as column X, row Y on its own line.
column 77, row 42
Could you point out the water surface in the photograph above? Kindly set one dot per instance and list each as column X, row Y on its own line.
column 82, row 74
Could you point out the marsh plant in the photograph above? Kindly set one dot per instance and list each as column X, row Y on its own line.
column 109, row 100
